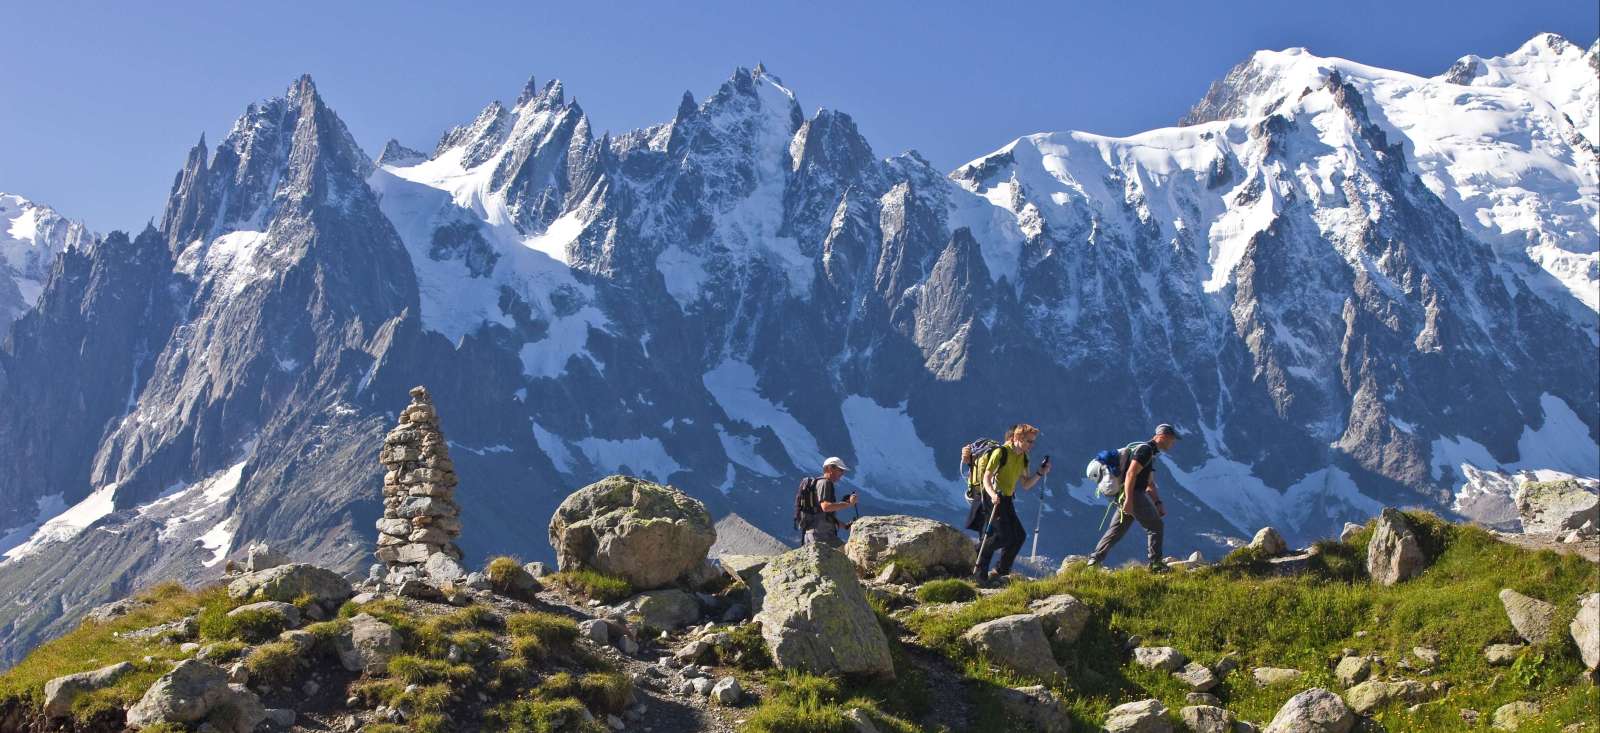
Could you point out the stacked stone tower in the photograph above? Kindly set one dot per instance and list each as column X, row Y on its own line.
column 421, row 519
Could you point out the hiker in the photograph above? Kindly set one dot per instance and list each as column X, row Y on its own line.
column 1138, row 499
column 818, row 503
column 1002, row 470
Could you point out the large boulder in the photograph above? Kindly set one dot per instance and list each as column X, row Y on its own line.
column 368, row 645
column 1269, row 541
column 193, row 692
column 1037, row 706
column 814, row 616
column 911, row 542
column 1533, row 619
column 61, row 691
column 1062, row 615
column 1314, row 711
column 1393, row 553
column 1017, row 643
column 1556, row 506
column 286, row 583
column 747, row 570
column 644, row 532
column 1585, row 628
column 260, row 556
column 1373, row 694
column 1144, row 716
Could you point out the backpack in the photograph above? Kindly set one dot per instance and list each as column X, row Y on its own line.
column 1110, row 464
column 805, row 503
column 980, row 448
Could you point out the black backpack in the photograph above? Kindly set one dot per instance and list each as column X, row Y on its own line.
column 980, row 448
column 805, row 503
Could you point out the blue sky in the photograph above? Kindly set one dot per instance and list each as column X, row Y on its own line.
column 98, row 104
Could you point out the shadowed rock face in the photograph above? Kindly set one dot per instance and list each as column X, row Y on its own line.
column 720, row 301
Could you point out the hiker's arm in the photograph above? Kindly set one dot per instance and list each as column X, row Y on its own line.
column 1155, row 497
column 834, row 506
column 989, row 477
column 1134, row 467
column 1028, row 481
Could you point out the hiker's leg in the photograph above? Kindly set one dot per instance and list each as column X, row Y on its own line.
column 1119, row 527
column 1150, row 518
column 1015, row 536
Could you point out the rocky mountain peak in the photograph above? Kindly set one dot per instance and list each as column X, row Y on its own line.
column 395, row 154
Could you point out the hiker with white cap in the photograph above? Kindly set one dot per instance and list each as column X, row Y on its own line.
column 1136, row 498
column 815, row 503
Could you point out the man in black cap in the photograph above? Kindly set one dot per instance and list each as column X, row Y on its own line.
column 1139, row 501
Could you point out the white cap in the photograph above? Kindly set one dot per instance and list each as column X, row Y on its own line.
column 836, row 462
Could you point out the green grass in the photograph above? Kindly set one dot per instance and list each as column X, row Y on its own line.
column 251, row 627
column 602, row 692
column 805, row 703
column 543, row 716
column 1303, row 622
column 746, row 649
column 593, row 584
column 948, row 590
column 274, row 663
column 501, row 570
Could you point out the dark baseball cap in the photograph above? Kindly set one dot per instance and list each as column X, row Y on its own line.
column 1165, row 429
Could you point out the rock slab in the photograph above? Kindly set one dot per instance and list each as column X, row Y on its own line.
column 815, row 616
column 1314, row 711
column 60, row 692
column 913, row 542
column 1393, row 553
column 1144, row 716
column 1016, row 642
column 1585, row 628
column 1062, row 615
column 1533, row 619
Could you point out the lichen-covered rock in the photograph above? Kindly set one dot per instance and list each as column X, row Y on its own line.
column 815, row 616
column 669, row 609
column 1314, row 711
column 1037, row 706
column 1513, row 715
column 644, row 532
column 1556, row 506
column 1393, row 553
column 1533, row 619
column 1016, row 642
column 916, row 544
column 1352, row 670
column 288, row 582
column 61, row 691
column 1499, row 655
column 1062, row 615
column 1207, row 719
column 115, row 609
column 368, row 645
column 260, row 556
column 1164, row 658
column 1373, row 694
column 1585, row 628
column 1269, row 541
column 1268, row 676
column 195, row 692
column 1196, row 677
column 1144, row 716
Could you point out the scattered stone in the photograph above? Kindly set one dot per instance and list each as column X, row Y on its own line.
column 1144, row 716
column 916, row 542
column 595, row 630
column 1164, row 658
column 1016, row 642
column 627, row 645
column 669, row 609
column 115, row 610
column 368, row 645
column 701, row 686
column 1195, row 558
column 195, row 691
column 1196, row 676
column 1062, row 616
column 645, row 533
column 1351, row 529
column 1427, row 654
column 537, row 569
column 815, row 616
column 1373, row 694
column 1314, row 711
column 1585, row 628
column 1514, row 715
column 176, row 630
column 61, row 691
column 1393, row 553
column 1499, row 655
column 1269, row 541
column 1225, row 665
column 1352, row 670
column 1533, row 619
column 1555, row 506
column 727, row 692
column 1268, row 676
column 1207, row 719
column 1037, row 706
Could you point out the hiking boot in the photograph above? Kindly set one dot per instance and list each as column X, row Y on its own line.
column 1159, row 566
column 981, row 579
column 1097, row 565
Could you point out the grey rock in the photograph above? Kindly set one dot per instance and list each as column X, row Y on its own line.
column 1202, row 698
column 261, row 556
column 1514, row 715
column 1269, row 541
column 1143, row 716
column 644, row 532
column 1197, row 677
column 193, row 692
column 115, row 610
column 1499, row 655
column 1037, row 706
column 302, row 640
column 441, row 568
column 537, row 569
column 287, row 614
column 1393, row 553
column 1352, row 670
column 747, row 570
column 368, row 645
column 1373, row 694
column 1016, row 642
column 595, row 630
column 916, row 542
column 281, row 717
column 1314, row 711
column 1268, row 676
column 702, row 686
column 1351, row 529
column 1427, row 654
column 860, row 721
column 1164, row 658
column 669, row 609
column 476, row 581
column 1585, row 629
column 61, row 691
column 1062, row 616
column 1207, row 719
column 288, row 582
column 1533, row 619
column 815, row 616
column 727, row 692
column 1555, row 506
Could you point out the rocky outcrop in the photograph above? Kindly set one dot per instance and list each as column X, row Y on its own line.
column 1062, row 616
column 421, row 519
column 1585, row 628
column 1556, row 506
column 643, row 532
column 1393, row 553
column 1533, row 619
column 1016, row 643
column 669, row 609
column 368, row 645
column 916, row 543
column 61, row 691
column 288, row 583
column 815, row 616
column 1314, row 711
column 196, row 692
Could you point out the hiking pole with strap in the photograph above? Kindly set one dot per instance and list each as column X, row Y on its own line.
column 1044, row 483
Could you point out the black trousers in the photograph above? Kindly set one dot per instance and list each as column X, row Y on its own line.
column 1006, row 534
column 1146, row 514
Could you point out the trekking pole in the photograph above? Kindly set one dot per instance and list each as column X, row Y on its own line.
column 984, row 542
column 1044, row 483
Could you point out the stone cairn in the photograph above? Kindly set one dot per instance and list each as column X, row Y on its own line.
column 420, row 517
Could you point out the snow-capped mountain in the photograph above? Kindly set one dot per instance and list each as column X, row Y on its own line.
column 1324, row 278
column 31, row 235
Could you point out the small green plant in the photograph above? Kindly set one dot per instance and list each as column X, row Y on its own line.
column 423, row 671
column 501, row 571
column 224, row 651
column 273, row 663
column 745, row 649
column 593, row 584
column 948, row 590
column 605, row 692
column 549, row 628
column 544, row 716
column 805, row 703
